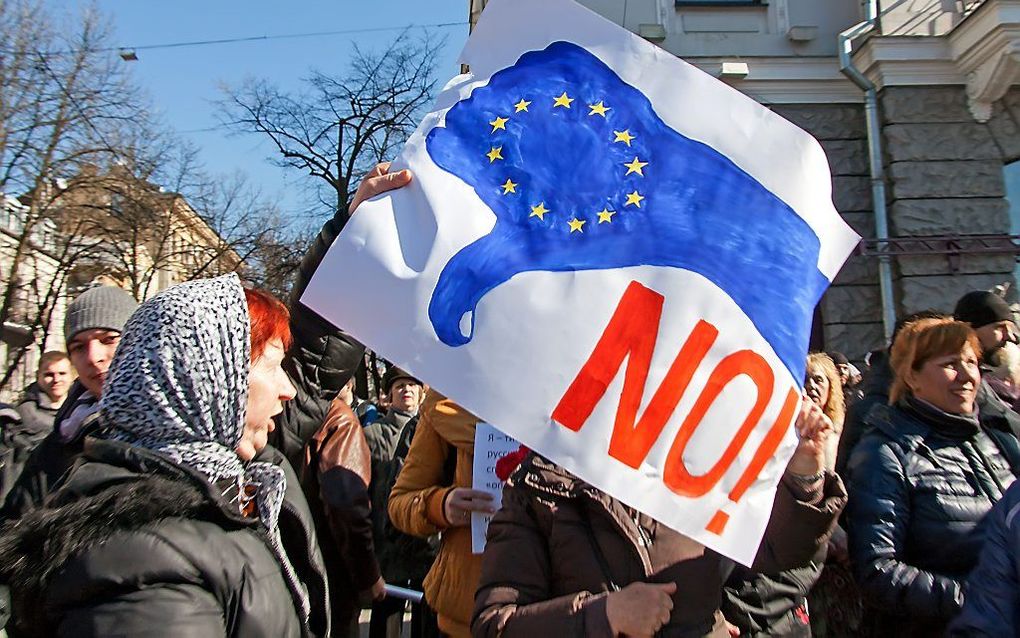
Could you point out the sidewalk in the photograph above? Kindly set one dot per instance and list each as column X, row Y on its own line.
column 363, row 624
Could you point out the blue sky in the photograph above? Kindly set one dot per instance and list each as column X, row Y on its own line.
column 183, row 82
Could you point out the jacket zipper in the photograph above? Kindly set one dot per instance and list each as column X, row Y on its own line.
column 639, row 552
column 311, row 563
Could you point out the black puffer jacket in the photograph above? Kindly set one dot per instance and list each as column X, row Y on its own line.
column 920, row 484
column 876, row 392
column 320, row 361
column 135, row 545
column 37, row 411
column 50, row 459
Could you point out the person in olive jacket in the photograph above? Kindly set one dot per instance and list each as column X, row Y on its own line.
column 923, row 479
column 565, row 559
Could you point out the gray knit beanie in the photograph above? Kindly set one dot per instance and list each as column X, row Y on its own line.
column 103, row 307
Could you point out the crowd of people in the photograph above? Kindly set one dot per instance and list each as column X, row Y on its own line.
column 199, row 465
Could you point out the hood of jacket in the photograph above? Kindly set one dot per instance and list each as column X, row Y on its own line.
column 880, row 377
column 34, row 394
column 124, row 488
column 452, row 422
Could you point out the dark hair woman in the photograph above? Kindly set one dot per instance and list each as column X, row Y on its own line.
column 566, row 559
column 170, row 523
column 922, row 480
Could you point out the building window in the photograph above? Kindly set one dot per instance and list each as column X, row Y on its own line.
column 720, row 3
column 1011, row 173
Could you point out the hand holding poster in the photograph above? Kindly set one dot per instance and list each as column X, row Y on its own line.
column 612, row 255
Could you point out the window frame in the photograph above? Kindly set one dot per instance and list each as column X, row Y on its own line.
column 720, row 3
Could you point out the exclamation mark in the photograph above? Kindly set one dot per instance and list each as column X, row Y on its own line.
column 765, row 451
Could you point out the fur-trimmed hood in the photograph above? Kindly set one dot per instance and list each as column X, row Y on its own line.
column 123, row 489
column 128, row 524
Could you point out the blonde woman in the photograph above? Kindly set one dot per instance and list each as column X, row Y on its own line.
column 822, row 385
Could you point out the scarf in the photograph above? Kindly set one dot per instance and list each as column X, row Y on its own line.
column 956, row 426
column 178, row 386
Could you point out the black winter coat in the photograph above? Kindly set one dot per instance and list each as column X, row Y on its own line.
column 37, row 411
column 403, row 559
column 134, row 545
column 49, row 461
column 320, row 362
column 920, row 486
column 876, row 392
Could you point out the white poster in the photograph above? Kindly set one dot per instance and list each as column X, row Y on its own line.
column 490, row 446
column 611, row 254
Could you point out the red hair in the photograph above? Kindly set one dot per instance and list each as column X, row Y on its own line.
column 269, row 320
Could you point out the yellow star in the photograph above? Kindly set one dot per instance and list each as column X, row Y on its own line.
column 576, row 224
column 499, row 123
column 598, row 109
column 606, row 215
column 563, row 100
column 522, row 105
column 623, row 136
column 495, row 153
column 635, row 167
column 634, row 198
column 509, row 187
column 539, row 211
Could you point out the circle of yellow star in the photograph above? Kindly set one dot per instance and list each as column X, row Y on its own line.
column 576, row 225
column 563, row 101
column 635, row 167
column 623, row 136
column 598, row 109
column 499, row 123
column 539, row 211
column 521, row 106
column 633, row 198
column 606, row 215
column 509, row 187
column 495, row 153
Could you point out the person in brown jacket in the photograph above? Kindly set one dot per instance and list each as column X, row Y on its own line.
column 335, row 478
column 425, row 501
column 565, row 559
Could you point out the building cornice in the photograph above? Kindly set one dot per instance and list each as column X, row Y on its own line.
column 788, row 80
column 981, row 53
column 987, row 47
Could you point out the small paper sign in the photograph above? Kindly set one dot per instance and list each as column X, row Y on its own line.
column 490, row 446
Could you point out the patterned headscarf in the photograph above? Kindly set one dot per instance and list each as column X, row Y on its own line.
column 178, row 386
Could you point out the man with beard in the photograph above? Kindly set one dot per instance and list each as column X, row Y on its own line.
column 993, row 321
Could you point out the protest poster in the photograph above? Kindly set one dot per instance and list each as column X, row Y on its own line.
column 611, row 254
column 490, row 446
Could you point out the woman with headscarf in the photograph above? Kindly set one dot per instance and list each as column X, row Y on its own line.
column 170, row 523
column 923, row 479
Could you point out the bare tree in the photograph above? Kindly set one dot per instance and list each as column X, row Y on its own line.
column 340, row 126
column 92, row 185
column 61, row 96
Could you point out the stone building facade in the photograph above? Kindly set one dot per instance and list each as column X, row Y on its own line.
column 949, row 120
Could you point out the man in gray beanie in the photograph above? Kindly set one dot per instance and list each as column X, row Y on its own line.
column 92, row 330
